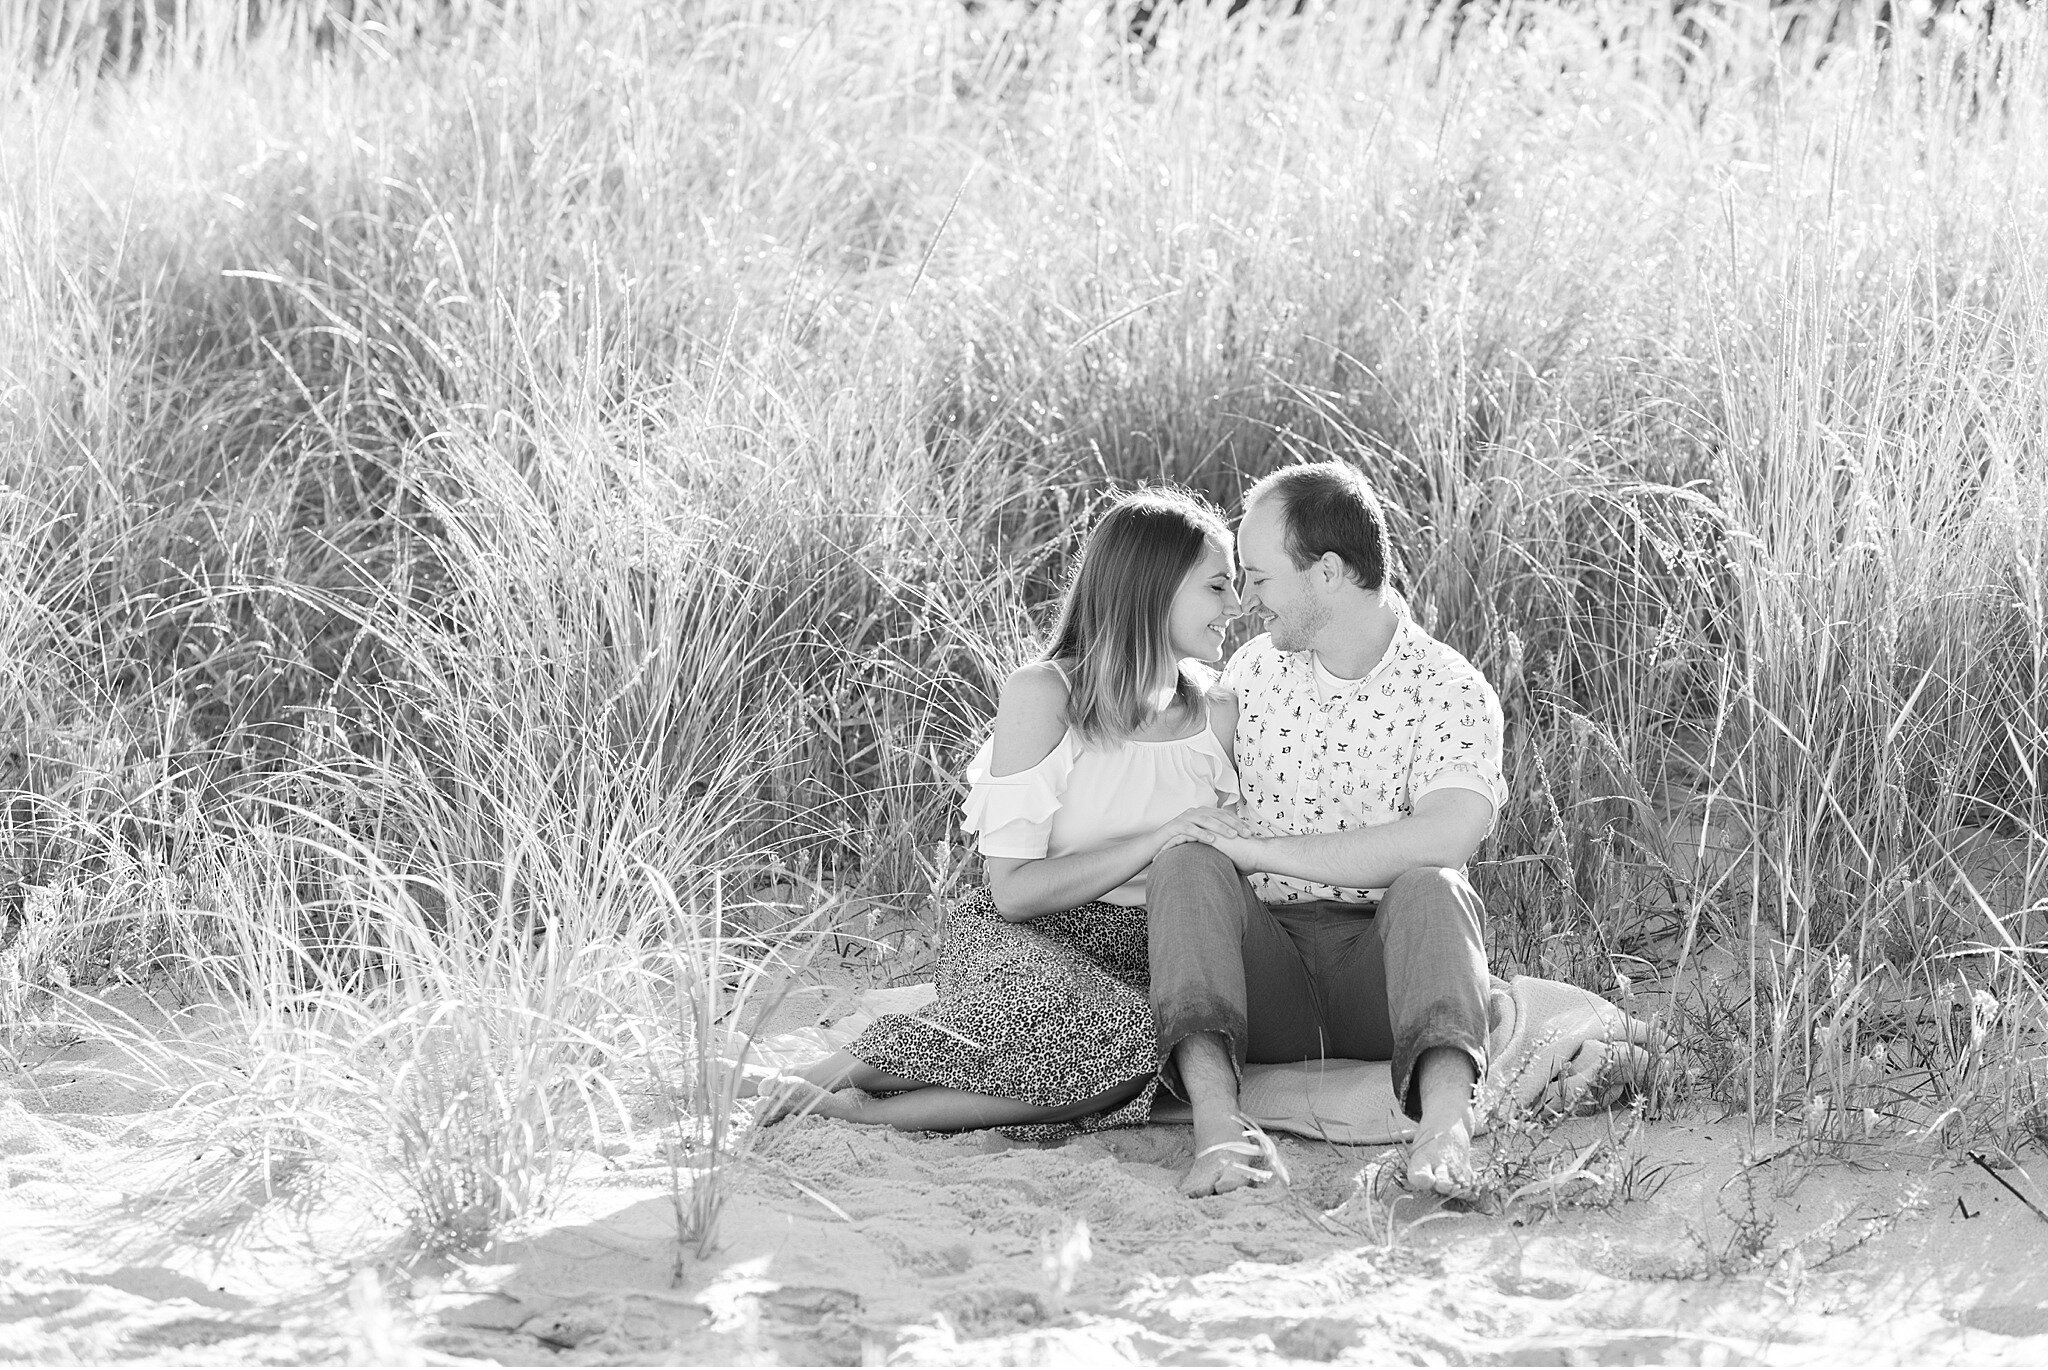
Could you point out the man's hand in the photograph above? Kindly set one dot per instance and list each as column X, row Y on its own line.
column 1444, row 829
column 1201, row 824
column 1244, row 852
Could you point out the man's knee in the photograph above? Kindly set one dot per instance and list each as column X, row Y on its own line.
column 1193, row 886
column 1430, row 887
column 1426, row 879
column 1195, row 863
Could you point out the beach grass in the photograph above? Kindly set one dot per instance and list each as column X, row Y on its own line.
column 511, row 519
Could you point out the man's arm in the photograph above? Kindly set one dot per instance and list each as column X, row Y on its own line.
column 1445, row 828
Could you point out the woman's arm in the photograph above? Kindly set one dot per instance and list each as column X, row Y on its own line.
column 1024, row 888
column 1030, row 721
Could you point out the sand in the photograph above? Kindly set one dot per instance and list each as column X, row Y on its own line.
column 842, row 1244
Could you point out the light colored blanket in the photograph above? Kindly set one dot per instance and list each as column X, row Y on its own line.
column 1551, row 1048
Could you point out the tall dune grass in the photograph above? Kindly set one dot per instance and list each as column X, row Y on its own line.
column 472, row 485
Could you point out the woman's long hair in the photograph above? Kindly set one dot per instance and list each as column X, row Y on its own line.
column 1113, row 620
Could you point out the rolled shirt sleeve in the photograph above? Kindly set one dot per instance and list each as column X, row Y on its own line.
column 1460, row 745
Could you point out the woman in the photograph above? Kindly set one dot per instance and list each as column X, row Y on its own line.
column 1104, row 754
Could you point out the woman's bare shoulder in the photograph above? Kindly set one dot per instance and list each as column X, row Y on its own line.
column 1030, row 719
column 1034, row 693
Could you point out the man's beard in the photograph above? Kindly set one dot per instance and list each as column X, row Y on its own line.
column 1297, row 632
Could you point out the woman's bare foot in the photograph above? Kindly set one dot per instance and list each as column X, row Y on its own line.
column 836, row 1071
column 755, row 1081
column 787, row 1096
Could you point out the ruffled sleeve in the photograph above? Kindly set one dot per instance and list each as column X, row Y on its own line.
column 1221, row 773
column 1013, row 813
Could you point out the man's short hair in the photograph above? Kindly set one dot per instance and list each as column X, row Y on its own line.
column 1328, row 506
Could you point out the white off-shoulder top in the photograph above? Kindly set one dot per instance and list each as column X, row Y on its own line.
column 1083, row 798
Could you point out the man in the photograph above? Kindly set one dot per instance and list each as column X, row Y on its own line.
column 1370, row 759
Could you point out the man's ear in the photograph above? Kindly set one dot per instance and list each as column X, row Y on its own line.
column 1331, row 570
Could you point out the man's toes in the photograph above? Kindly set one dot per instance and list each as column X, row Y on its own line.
column 1209, row 1176
column 1433, row 1169
column 1439, row 1175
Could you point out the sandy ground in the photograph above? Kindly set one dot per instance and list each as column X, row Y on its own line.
column 847, row 1245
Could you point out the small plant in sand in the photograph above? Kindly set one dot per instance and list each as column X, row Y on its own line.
column 1528, row 1168
column 1063, row 1255
column 726, row 979
column 457, row 1069
column 1748, row 1235
column 449, row 1073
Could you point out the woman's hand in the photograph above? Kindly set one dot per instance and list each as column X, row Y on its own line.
column 1201, row 824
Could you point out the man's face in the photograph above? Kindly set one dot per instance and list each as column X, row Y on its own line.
column 1276, row 594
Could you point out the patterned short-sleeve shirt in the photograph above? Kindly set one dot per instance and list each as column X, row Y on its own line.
column 1424, row 719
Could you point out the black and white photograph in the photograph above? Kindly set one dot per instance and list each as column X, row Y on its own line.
column 1023, row 682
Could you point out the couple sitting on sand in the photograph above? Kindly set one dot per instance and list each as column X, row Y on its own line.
column 1188, row 872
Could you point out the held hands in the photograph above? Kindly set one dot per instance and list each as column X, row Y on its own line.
column 1227, row 830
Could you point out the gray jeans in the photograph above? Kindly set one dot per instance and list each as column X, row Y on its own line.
column 1301, row 982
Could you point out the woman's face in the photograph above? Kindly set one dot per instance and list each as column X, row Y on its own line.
column 1203, row 607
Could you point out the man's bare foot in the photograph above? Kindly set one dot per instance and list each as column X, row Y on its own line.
column 1225, row 1155
column 787, row 1096
column 1440, row 1157
column 1225, row 1159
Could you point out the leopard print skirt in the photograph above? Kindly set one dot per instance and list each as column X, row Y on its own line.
column 1050, row 1011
